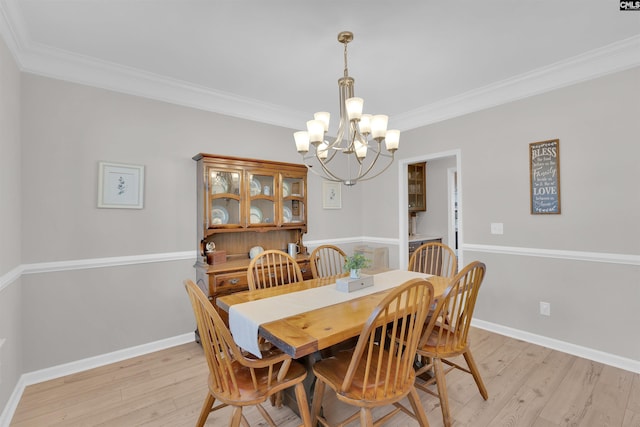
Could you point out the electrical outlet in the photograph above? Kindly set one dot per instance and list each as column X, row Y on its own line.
column 545, row 308
column 496, row 228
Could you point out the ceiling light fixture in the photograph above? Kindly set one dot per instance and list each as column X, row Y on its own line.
column 352, row 139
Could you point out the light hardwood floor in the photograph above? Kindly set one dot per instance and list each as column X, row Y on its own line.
column 528, row 385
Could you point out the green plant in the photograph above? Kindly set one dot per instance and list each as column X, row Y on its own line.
column 356, row 262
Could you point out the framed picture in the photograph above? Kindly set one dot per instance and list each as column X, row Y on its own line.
column 120, row 186
column 544, row 176
column 331, row 195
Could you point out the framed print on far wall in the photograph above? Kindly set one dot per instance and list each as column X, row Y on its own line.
column 331, row 196
column 120, row 186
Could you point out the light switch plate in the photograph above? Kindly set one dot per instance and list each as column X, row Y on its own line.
column 496, row 228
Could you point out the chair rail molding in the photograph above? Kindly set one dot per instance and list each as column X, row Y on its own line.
column 610, row 258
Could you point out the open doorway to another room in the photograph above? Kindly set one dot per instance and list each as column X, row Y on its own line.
column 442, row 216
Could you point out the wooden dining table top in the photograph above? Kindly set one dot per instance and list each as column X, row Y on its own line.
column 314, row 330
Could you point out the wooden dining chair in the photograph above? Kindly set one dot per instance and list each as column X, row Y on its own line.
column 434, row 258
column 327, row 261
column 379, row 371
column 272, row 268
column 448, row 338
column 236, row 378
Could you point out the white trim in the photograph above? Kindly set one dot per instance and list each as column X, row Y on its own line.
column 85, row 364
column 565, row 347
column 350, row 240
column 64, row 65
column 82, row 264
column 12, row 404
column 10, row 277
column 451, row 208
column 557, row 254
column 46, row 267
column 56, row 63
column 403, row 220
column 58, row 371
column 618, row 56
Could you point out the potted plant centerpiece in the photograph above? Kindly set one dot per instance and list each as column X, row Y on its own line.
column 356, row 263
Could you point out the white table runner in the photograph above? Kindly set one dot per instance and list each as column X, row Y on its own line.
column 246, row 318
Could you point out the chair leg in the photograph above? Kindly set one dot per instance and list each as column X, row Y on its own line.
column 442, row 391
column 236, row 416
column 303, row 405
column 476, row 374
column 318, row 394
column 206, row 409
column 418, row 410
column 366, row 419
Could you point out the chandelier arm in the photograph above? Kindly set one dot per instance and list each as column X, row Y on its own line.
column 380, row 172
column 327, row 174
column 330, row 174
column 373, row 162
column 333, row 153
column 324, row 176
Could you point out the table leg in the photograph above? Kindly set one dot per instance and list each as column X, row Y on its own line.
column 289, row 397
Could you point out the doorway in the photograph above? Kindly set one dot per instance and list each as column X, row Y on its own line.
column 403, row 253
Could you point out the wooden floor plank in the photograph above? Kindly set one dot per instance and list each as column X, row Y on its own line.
column 574, row 395
column 523, row 408
column 528, row 386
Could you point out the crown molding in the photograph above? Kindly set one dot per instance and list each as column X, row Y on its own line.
column 618, row 56
column 63, row 65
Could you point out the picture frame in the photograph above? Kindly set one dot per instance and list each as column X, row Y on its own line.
column 120, row 186
column 331, row 195
column 544, row 177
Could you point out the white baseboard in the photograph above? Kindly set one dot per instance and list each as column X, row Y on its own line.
column 83, row 365
column 565, row 347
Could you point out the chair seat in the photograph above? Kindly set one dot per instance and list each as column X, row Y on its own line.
column 333, row 370
column 435, row 347
column 250, row 395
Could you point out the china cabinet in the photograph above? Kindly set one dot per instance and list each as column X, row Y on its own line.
column 243, row 204
column 416, row 175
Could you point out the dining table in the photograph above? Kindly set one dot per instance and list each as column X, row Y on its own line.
column 304, row 318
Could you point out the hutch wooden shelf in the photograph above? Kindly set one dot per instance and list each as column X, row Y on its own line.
column 243, row 203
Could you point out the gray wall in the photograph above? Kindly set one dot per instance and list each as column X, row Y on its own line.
column 66, row 130
column 593, row 304
column 10, row 225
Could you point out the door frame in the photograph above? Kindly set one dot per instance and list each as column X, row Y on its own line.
column 403, row 223
column 452, row 187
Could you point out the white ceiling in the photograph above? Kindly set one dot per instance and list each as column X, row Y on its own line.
column 278, row 61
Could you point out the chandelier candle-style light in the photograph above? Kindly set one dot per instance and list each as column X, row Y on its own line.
column 359, row 136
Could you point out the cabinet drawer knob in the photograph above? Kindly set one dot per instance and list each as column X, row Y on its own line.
column 234, row 281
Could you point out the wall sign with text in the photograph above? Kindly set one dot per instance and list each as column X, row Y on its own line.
column 544, row 175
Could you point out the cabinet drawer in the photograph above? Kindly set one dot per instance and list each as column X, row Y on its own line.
column 233, row 282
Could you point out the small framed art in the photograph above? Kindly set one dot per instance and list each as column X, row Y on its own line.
column 120, row 186
column 331, row 195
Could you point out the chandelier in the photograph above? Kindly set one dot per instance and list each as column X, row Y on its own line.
column 359, row 137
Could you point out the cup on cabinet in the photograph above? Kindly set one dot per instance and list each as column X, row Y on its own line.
column 293, row 250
